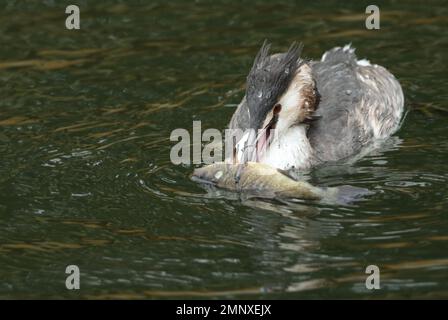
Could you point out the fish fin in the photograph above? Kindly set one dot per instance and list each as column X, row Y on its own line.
column 287, row 173
column 346, row 194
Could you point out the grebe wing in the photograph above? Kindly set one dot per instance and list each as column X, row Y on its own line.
column 359, row 103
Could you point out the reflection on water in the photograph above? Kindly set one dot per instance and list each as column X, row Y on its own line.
column 85, row 175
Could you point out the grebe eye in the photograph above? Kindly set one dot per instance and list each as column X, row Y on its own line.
column 277, row 108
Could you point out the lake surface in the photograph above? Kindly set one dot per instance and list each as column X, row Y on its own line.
column 86, row 177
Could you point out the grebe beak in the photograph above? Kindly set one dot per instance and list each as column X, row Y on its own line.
column 256, row 143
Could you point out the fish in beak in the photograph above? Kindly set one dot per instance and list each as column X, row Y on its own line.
column 281, row 95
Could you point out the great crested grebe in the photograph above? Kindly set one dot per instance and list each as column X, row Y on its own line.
column 305, row 113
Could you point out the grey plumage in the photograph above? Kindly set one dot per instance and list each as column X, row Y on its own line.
column 359, row 104
column 336, row 135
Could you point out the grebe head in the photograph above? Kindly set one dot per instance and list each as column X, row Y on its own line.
column 280, row 94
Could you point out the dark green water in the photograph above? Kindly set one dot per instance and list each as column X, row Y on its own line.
column 86, row 177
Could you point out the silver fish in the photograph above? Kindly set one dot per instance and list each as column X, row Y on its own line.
column 260, row 180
